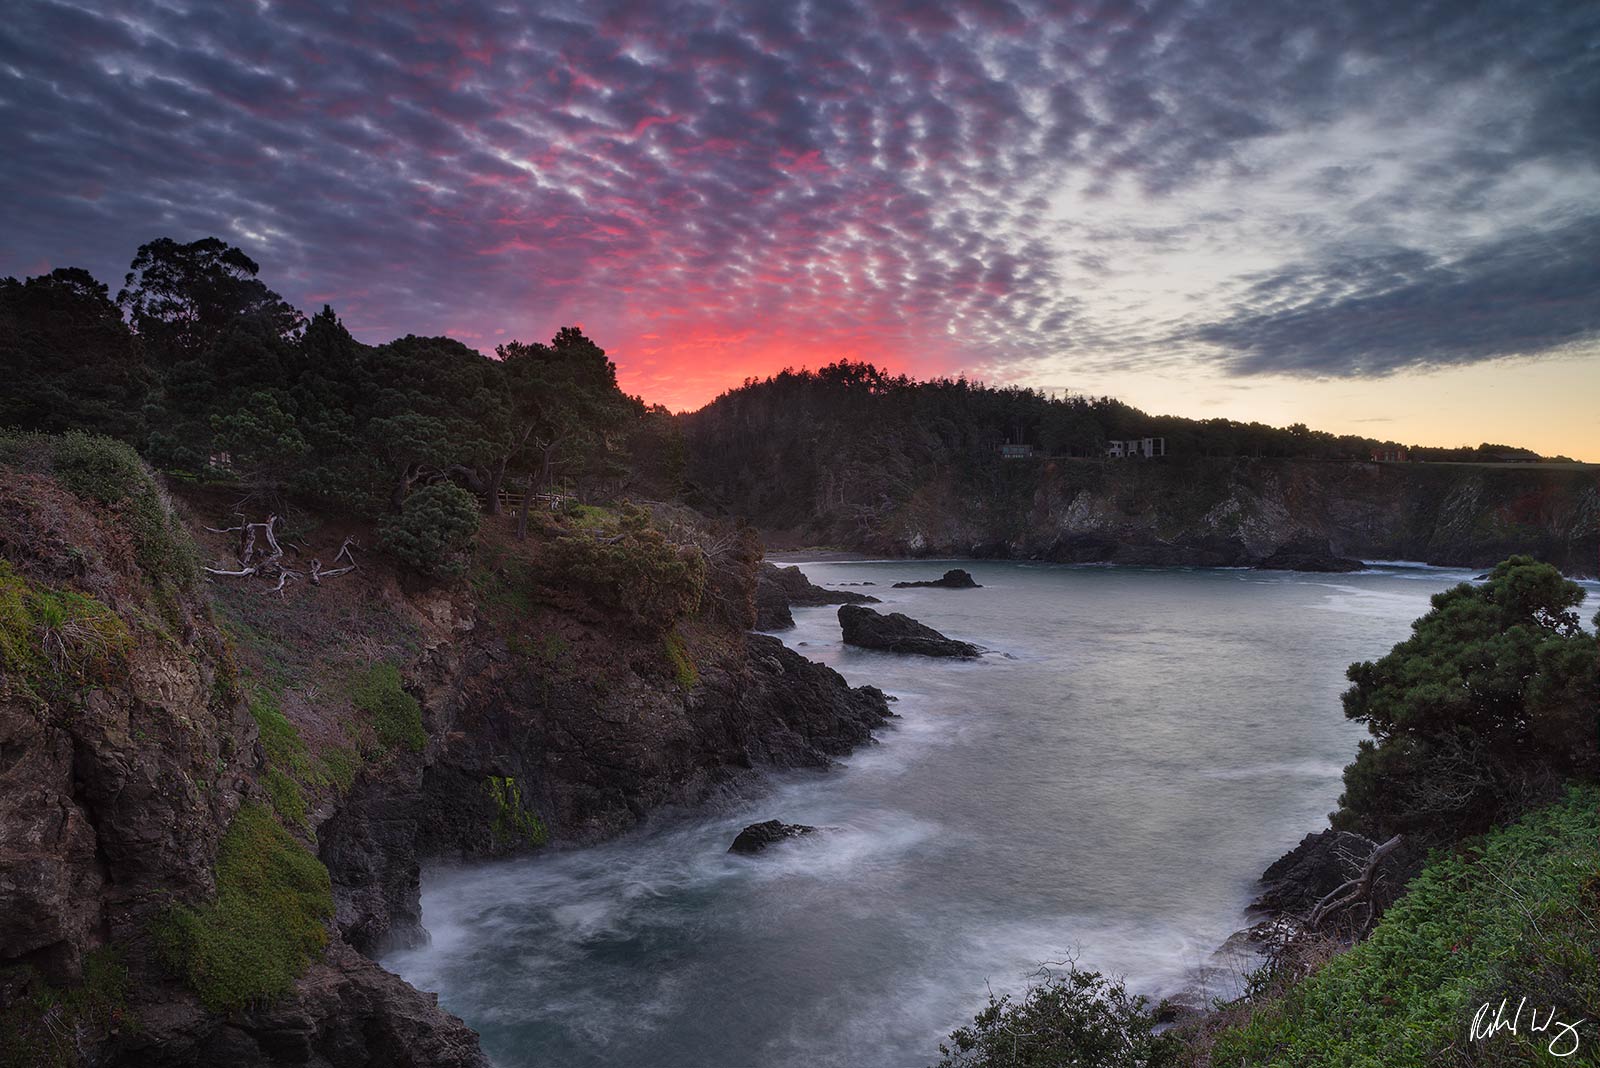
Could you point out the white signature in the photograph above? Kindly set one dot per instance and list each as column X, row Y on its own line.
column 1485, row 1026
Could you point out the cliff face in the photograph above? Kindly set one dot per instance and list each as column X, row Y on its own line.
column 1233, row 512
column 214, row 801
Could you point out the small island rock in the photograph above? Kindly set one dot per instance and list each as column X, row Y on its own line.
column 954, row 579
column 897, row 633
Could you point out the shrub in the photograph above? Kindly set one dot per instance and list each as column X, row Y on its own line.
column 1512, row 915
column 635, row 570
column 1483, row 710
column 434, row 529
column 396, row 716
column 110, row 473
column 267, row 923
column 1072, row 1017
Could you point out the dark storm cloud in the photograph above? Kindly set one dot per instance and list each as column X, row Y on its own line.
column 1523, row 295
column 942, row 175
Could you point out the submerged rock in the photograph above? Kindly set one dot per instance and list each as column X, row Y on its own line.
column 758, row 836
column 954, row 579
column 897, row 633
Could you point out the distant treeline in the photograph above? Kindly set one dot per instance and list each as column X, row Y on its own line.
column 805, row 441
column 208, row 372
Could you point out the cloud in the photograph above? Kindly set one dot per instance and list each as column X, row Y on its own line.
column 1273, row 188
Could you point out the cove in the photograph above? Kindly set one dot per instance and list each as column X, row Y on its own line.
column 1106, row 783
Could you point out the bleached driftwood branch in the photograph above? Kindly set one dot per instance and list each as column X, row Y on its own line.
column 268, row 563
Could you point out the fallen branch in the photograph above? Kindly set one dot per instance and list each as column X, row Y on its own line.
column 270, row 565
column 1355, row 890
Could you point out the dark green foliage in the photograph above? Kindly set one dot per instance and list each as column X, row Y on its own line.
column 1485, row 708
column 434, row 529
column 395, row 715
column 71, row 362
column 631, row 569
column 826, row 451
column 1071, row 1019
column 41, row 1028
column 513, row 824
column 267, row 923
column 1511, row 915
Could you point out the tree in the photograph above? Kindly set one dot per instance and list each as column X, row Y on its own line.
column 71, row 362
column 434, row 529
column 182, row 298
column 1490, row 703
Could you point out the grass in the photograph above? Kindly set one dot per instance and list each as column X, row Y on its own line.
column 109, row 473
column 1511, row 915
column 266, row 925
column 395, row 715
column 40, row 1028
column 57, row 639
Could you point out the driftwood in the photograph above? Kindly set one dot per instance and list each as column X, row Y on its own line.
column 268, row 563
column 1357, row 890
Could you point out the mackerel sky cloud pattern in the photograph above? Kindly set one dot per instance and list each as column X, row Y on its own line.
column 1018, row 190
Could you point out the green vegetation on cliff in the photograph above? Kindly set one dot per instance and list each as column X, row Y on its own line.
column 1510, row 915
column 55, row 640
column 395, row 715
column 41, row 1028
column 267, row 923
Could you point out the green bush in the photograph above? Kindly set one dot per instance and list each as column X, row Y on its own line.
column 434, row 529
column 632, row 569
column 1511, row 915
column 395, row 715
column 1071, row 1018
column 267, row 923
column 107, row 472
column 1490, row 703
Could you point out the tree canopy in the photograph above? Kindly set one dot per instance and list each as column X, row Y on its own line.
column 1490, row 703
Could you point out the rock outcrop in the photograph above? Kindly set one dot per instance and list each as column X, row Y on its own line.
column 896, row 632
column 777, row 588
column 1294, row 883
column 134, row 740
column 1309, row 554
column 954, row 579
column 758, row 836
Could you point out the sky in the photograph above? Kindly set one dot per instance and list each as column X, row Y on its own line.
column 1373, row 217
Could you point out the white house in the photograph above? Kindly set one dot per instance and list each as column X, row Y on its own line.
column 1148, row 448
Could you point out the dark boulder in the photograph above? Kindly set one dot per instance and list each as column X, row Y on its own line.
column 802, row 591
column 772, row 606
column 1320, row 864
column 954, row 579
column 777, row 588
column 897, row 633
column 758, row 836
column 1308, row 554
